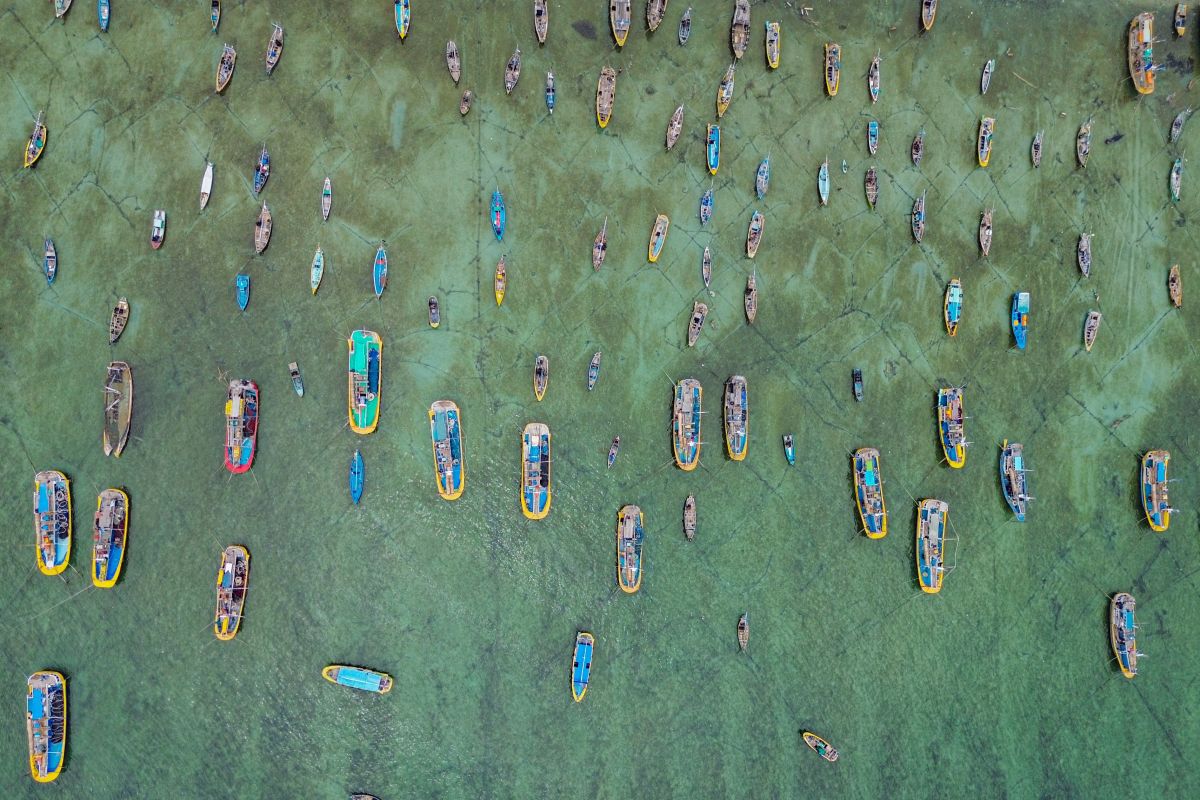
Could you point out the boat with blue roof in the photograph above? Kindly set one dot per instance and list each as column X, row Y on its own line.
column 361, row 678
column 1122, row 632
column 685, row 423
column 1155, row 501
column 110, row 526
column 581, row 664
column 789, row 449
column 950, row 426
column 737, row 418
column 550, row 92
column 357, row 476
column 1020, row 318
column 630, row 536
column 46, row 724
column 868, row 492
column 498, row 215
column 37, row 141
column 363, row 380
column 52, row 520
column 712, row 148
column 215, row 15
column 931, row 537
column 242, row 283
column 445, row 427
column 658, row 237
column 1012, row 478
column 952, row 306
column 535, row 471
column 233, row 580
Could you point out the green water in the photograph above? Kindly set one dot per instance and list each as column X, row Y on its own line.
column 1002, row 685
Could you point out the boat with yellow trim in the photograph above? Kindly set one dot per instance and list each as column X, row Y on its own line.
column 241, row 425
column 952, row 306
column 772, row 45
column 833, row 68
column 737, row 418
column 685, row 423
column 630, row 535
column 232, row 582
column 501, row 284
column 725, row 91
column 363, row 380
column 1141, row 52
column 449, row 466
column 620, row 15
column 1180, row 19
column 658, row 237
column 868, row 492
column 987, row 126
column 1122, row 632
column 110, row 526
column 37, row 141
column 581, row 664
column 928, row 13
column 535, row 470
column 361, row 678
column 46, row 724
column 225, row 68
column 52, row 521
column 1155, row 502
column 606, row 95
column 541, row 376
column 819, row 746
column 950, row 426
column 931, row 536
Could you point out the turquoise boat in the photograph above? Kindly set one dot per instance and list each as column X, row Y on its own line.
column 581, row 664
column 403, row 17
column 712, row 144
column 498, row 215
column 356, row 477
column 379, row 270
column 243, row 290
column 872, row 136
column 1020, row 318
column 365, row 680
column 103, row 11
column 52, row 520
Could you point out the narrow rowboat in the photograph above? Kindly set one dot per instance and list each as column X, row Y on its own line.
column 868, row 492
column 37, row 141
column 512, row 72
column 918, row 218
column 706, row 206
column 823, row 182
column 274, row 47
column 110, row 526
column 262, row 229
column 952, row 306
column 689, row 517
column 737, row 418
column 674, row 127
column 1180, row 19
column 873, row 80
column 696, row 324
column 606, row 95
column 712, row 146
column 789, row 449
column 1141, row 52
column 1012, row 478
column 242, row 283
column 215, row 15
column 873, row 136
column 630, row 537
column 241, row 425
column 706, row 267
column 1083, row 254
column 871, row 184
column 118, row 320
column 464, row 105
column 985, row 79
column 987, row 126
column 541, row 21
column 725, row 91
column 658, row 237
column 754, row 234
column 739, row 28
column 1083, row 143
column 931, row 535
column 379, row 269
column 928, row 13
column 403, row 14
column 1155, row 502
column 743, row 632
column 318, row 270
column 118, row 408
column 435, row 311
column 206, row 185
column 685, row 423
column 550, row 92
column 232, row 583
column 1176, row 178
column 762, row 179
column 49, row 261
column 593, row 371
column 600, row 246
column 158, row 228
column 833, row 68
column 46, row 724
column 985, row 232
column 612, row 451
column 365, row 680
column 501, row 281
column 297, row 379
column 685, row 26
column 655, row 11
column 453, row 61
column 541, row 376
column 536, row 494
column 918, row 148
column 262, row 170
column 772, row 45
column 363, row 380
column 499, row 215
column 1175, row 287
column 1020, row 318
column 751, row 298
column 1177, row 124
column 620, row 13
column 1122, row 632
column 816, row 743
column 1091, row 326
column 225, row 66
column 357, row 475
column 326, row 199
column 449, row 467
column 951, row 429
column 581, row 662
column 856, row 384
column 1035, row 150
column 52, row 521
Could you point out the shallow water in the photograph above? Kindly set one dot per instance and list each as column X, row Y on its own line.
column 1002, row 685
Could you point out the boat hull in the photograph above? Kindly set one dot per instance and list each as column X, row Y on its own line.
column 110, row 528
column 630, row 537
column 52, row 521
column 1122, row 632
column 950, row 427
column 449, row 466
column 1153, row 481
column 360, row 678
column 685, row 424
column 241, row 425
column 581, row 664
column 232, row 584
column 118, row 408
column 737, row 418
column 932, row 517
column 713, row 148
column 357, row 477
column 535, row 471
column 364, row 376
column 46, row 724
column 868, row 493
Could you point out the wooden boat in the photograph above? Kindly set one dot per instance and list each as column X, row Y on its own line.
column 499, row 215
column 620, row 14
column 871, row 184
column 46, row 724
column 1177, row 124
column 856, row 383
column 630, row 536
column 918, row 218
column 241, row 425
column 403, row 14
column 379, row 269
column 658, row 237
column 550, row 92
column 928, row 13
column 110, row 526
column 1012, row 478
column 606, row 95
column 1083, row 143
column 361, row 796
column 317, row 271
column 593, row 370
column 541, row 21
column 536, row 494
column 1091, row 326
column 242, row 284
column 37, row 141
column 61, row 7
column 685, row 26
column 706, row 267
column 706, row 206
column 789, row 449
column 737, row 418
column 118, row 320
column 987, row 126
column 1175, row 287
column 1122, row 632
column 754, row 233
column 873, row 81
column 873, row 136
column 674, row 127
column 274, row 47
column 985, row 80
column 612, row 451
column 449, row 465
column 206, row 185
column 931, row 537
column 363, row 380
column 512, row 72
column 361, row 678
column 262, row 229
column 655, row 11
column 1020, row 318
column 453, row 61
column 1180, row 19
column 357, row 477
column 1035, row 150
column 833, row 68
column 952, row 306
column 689, row 517
column 868, row 492
column 985, row 231
column 600, row 246
column 743, row 632
column 823, row 182
column 1141, row 52
column 751, row 298
column 1155, row 501
column 762, row 179
column 951, row 430
column 225, row 67
column 297, row 378
column 816, row 743
column 52, row 521
column 1176, row 178
column 464, row 105
column 685, row 423
column 501, row 283
column 1083, row 254
column 326, row 199
column 118, row 408
column 739, row 28
column 158, row 228
column 435, row 311
column 772, row 45
column 581, row 659
column 541, row 376
column 262, row 170
column 215, row 15
column 712, row 148
column 918, row 148
column 696, row 324
column 233, row 580
column 725, row 91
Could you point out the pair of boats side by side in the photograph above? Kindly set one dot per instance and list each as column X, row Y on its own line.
column 52, row 524
column 686, row 414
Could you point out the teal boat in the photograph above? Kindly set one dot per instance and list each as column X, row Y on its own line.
column 243, row 290
column 356, row 477
column 445, row 429
column 581, row 664
column 403, row 17
column 1020, row 318
column 366, row 348
column 712, row 145
column 379, row 269
column 365, row 680
column 103, row 12
column 498, row 215
column 872, row 136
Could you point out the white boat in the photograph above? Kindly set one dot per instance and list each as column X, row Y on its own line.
column 206, row 185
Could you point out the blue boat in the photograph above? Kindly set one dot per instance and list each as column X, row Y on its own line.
column 403, row 17
column 46, row 724
column 1012, row 478
column 712, row 144
column 50, row 262
column 445, row 428
column 535, row 471
column 243, row 290
column 789, row 449
column 498, row 215
column 706, row 206
column 366, row 680
column 102, row 13
column 1020, row 318
column 872, row 136
column 356, row 477
column 581, row 664
column 52, row 520
column 550, row 91
column 262, row 171
column 379, row 270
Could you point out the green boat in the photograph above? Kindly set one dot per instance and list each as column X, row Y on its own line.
column 363, row 382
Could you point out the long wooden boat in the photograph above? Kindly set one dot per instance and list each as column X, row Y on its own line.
column 118, row 320
column 379, row 269
column 771, row 43
column 158, row 228
column 326, row 199
column 1020, row 318
column 823, row 182
column 118, row 408
column 1180, row 19
column 363, row 380
column 453, row 61
column 750, row 301
column 225, row 67
column 581, row 664
column 689, row 517
column 630, row 535
column 1177, row 124
column 613, row 449
column 241, row 425
column 274, row 47
column 357, row 476
column 110, row 526
column 931, row 537
column 1012, row 478
column 739, row 28
column 918, row 218
column 685, row 26
column 1155, row 501
column 206, row 185
column 37, row 140
column 952, row 306
column 1176, row 179
column 658, row 237
column 1035, row 149
column 46, row 724
column 928, row 13
column 712, row 148
column 1083, row 254
column 873, row 83
column 1091, row 327
column 762, row 178
column 1175, row 286
column 987, row 127
column 61, row 7
column 499, row 215
column 706, row 206
column 541, row 376
column 536, row 494
column 262, row 170
column 833, row 68
column 501, row 281
column 1083, row 143
column 317, row 271
column 951, row 426
column 52, row 521
column 743, row 632
column 541, row 21
column 706, row 266
column 737, row 418
column 449, row 465
column 600, row 246
column 361, row 678
column 754, row 233
column 868, row 492
column 985, row 231
column 696, row 323
column 606, row 95
column 674, row 127
column 819, row 745
column 620, row 16
column 215, row 15
column 685, row 423
column 871, row 186
column 593, row 370
column 233, row 580
column 725, row 91
column 512, row 72
column 1122, row 632
column 262, row 229
column 985, row 79
column 655, row 11
column 403, row 14
column 917, row 151
column 1141, row 52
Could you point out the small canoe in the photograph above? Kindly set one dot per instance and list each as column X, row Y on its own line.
column 1035, row 150
column 262, row 229
column 1175, row 287
column 772, row 45
column 1083, row 254
column 689, row 517
column 541, row 376
column 712, row 147
column 871, row 184
column 274, row 47
column 403, row 14
column 242, row 282
column 318, row 270
column 1122, row 632
column 658, row 237
column 600, row 246
column 606, row 95
column 453, row 61
column 118, row 320
column 536, row 463
column 918, row 218
column 110, row 526
column 674, row 127
column 743, row 632
column 1091, row 326
column 620, row 16
column 789, row 449
column 833, row 68
column 725, row 91
column 706, row 267
column 685, row 26
column 158, row 228
column 297, row 378
column 464, row 105
column 987, row 126
column 52, row 521
column 357, row 477
column 873, row 136
column 823, row 182
column 1020, row 318
column 379, row 269
column 751, row 298
column 1177, row 124
column 326, row 199
column 816, row 743
column 706, row 206
column 215, row 15
column 46, row 724
column 512, row 72
column 754, row 234
column 655, row 11
column 365, row 680
column 232, row 583
column 118, row 408
column 630, row 538
column 739, row 28
column 435, row 311
column 873, row 79
column 856, row 384
column 501, row 281
column 37, row 141
column 612, row 451
column 952, row 306
column 225, row 66
column 1176, row 179
column 581, row 660
column 206, row 185
column 931, row 535
column 50, row 261
column 550, row 92
column 985, row 80
column 985, row 232
column 696, row 323
column 1180, row 19
column 593, row 370
column 762, row 179
column 541, row 21
column 1083, row 143
column 262, row 170
column 918, row 148
column 499, row 215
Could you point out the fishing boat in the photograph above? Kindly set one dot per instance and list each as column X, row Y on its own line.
column 61, row 7
column 658, row 237
column 403, row 13
column 262, row 229
column 696, row 323
column 725, row 92
column 706, row 267
column 739, row 28
column 985, row 80
column 1083, row 254
column 52, row 521
column 1020, row 318
column 241, row 425
column 685, row 423
column 620, row 16
column 823, row 182
column 242, row 284
column 158, row 228
column 931, row 536
column 816, row 743
column 262, row 170
column 1091, row 326
column 918, row 218
column 363, row 380
column 630, row 536
column 274, row 47
column 737, row 418
column 449, row 466
column 1083, row 143
column 297, row 379
column 772, row 45
column 206, row 185
column 712, row 148
column 868, row 492
column 49, row 261
column 689, row 517
column 593, row 371
column 1180, row 20
column 606, row 95
column 1035, row 150
column 674, row 127
column 612, row 451
column 856, row 383
column 655, row 11
column 498, row 215
column 952, row 306
column 118, row 320
column 535, row 471
column 873, row 81
column 928, row 13
column 550, row 92
column 541, row 376
column 512, row 72
column 706, row 206
column 501, row 282
column 754, row 233
column 789, row 449
column 326, row 199
column 361, row 678
column 1154, row 489
column 845, row 167
column 917, row 151
column 317, row 271
column 232, row 583
column 464, row 105
column 751, row 298
column 37, row 141
column 985, row 231
column 541, row 20
column 1176, row 178
column 1175, row 286
column 600, row 246
column 873, row 136
column 762, row 179
column 743, row 632
column 379, row 269
column 833, row 68
column 46, row 724
column 357, row 476
column 225, row 66
column 1177, row 124
column 871, row 185
column 361, row 796
column 1012, row 478
column 951, row 426
column 1122, row 632
column 215, row 15
column 581, row 659
column 110, row 525
column 685, row 27
column 118, row 408
column 987, row 126
column 435, row 311
column 1141, row 52
column 453, row 61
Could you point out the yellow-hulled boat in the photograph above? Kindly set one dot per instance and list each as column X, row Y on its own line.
column 110, row 527
column 868, row 492
column 737, row 418
column 232, row 582
column 620, row 13
column 685, row 423
column 52, row 521
column 606, row 95
column 630, row 535
column 449, row 465
column 833, row 68
column 772, row 45
column 658, row 237
column 46, row 724
column 931, row 536
column 725, row 91
column 987, row 126
column 1155, row 501
column 37, row 141
column 535, row 470
column 1141, row 52
column 364, row 376
column 950, row 426
column 501, row 280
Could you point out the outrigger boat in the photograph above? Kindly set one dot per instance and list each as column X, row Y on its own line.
column 950, row 426
column 1020, row 318
column 985, row 80
column 1083, row 143
column 674, row 127
column 118, row 408
column 918, row 218
column 453, row 61
column 706, row 267
column 1154, row 489
column 630, row 536
column 725, row 91
column 225, row 66
column 772, row 45
column 274, row 47
column 118, row 320
column 232, row 583
column 499, row 215
column 1083, row 254
column 743, row 632
column 739, row 28
column 873, row 136
column 535, row 471
column 868, row 492
column 550, row 92
column 52, row 521
column 620, row 14
column 435, row 311
column 762, row 179
column 541, row 376
column 689, row 517
column 685, row 423
column 1012, row 478
column 987, row 126
column 262, row 170
column 326, row 199
column 873, row 81
column 1177, row 124
column 1122, row 632
column 1035, row 150
column 1141, row 52
column 1180, row 20
column 593, row 371
column 449, row 466
column 215, row 15
column 816, row 743
column 501, row 282
column 928, row 13
column 317, row 271
column 110, row 526
column 833, row 68
column 241, row 425
column 751, row 298
column 658, row 237
column 1175, row 286
column 952, row 306
column 655, row 11
column 262, row 229
column 696, row 324
column 871, row 185
column 357, row 476
column 606, row 96
column 612, row 451
column 46, row 724
column 541, row 20
column 985, row 232
column 206, row 185
column 363, row 380
column 37, row 141
column 158, row 228
column 917, row 151
column 931, row 536
column 856, row 383
column 512, row 72
column 1176, row 178
column 737, row 418
column 1091, row 326
column 685, row 27
column 706, row 206
column 403, row 14
column 242, row 284
column 379, row 269
column 297, row 378
column 361, row 678
column 823, row 182
column 712, row 148
column 754, row 233
column 581, row 660
column 600, row 246
column 789, row 449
